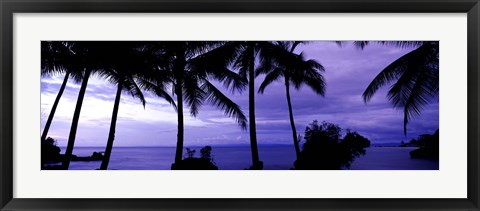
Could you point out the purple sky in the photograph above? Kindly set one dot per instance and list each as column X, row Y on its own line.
column 348, row 72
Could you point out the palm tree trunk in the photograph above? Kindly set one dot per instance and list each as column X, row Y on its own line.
column 292, row 122
column 111, row 134
column 54, row 107
column 251, row 109
column 179, row 150
column 76, row 117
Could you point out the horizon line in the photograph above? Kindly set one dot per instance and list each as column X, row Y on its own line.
column 230, row 145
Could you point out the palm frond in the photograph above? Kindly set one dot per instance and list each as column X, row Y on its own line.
column 214, row 63
column 57, row 58
column 416, row 81
column 134, row 89
column 293, row 67
column 157, row 89
column 244, row 60
column 403, row 44
column 271, row 77
column 400, row 44
column 217, row 98
column 193, row 94
column 339, row 43
column 400, row 91
column 409, row 62
column 389, row 74
column 316, row 82
column 109, row 75
column 198, row 48
column 419, row 97
column 360, row 44
column 222, row 55
column 270, row 54
column 231, row 80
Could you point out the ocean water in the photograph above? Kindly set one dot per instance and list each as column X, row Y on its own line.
column 392, row 158
column 238, row 158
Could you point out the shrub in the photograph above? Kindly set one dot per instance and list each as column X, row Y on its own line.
column 50, row 152
column 204, row 162
column 206, row 153
column 324, row 150
column 190, row 153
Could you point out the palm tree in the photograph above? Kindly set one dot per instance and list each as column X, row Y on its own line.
column 86, row 56
column 415, row 78
column 55, row 60
column 295, row 70
column 126, row 63
column 249, row 53
column 191, row 66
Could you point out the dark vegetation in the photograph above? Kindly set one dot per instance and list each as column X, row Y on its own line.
column 325, row 150
column 96, row 156
column 189, row 162
column 185, row 74
column 428, row 146
column 50, row 152
column 414, row 78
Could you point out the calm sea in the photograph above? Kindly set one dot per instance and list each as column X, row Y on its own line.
column 238, row 158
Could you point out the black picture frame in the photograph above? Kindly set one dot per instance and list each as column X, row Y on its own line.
column 9, row 7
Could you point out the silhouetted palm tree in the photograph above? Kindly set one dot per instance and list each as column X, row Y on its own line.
column 86, row 56
column 56, row 59
column 126, row 63
column 294, row 69
column 192, row 65
column 415, row 78
column 245, row 63
column 251, row 52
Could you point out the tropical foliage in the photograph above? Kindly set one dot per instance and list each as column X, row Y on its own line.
column 50, row 151
column 189, row 74
column 57, row 59
column 248, row 53
column 414, row 77
column 295, row 70
column 189, row 68
column 125, row 63
column 325, row 150
column 84, row 57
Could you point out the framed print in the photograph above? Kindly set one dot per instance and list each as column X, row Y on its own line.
column 241, row 105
